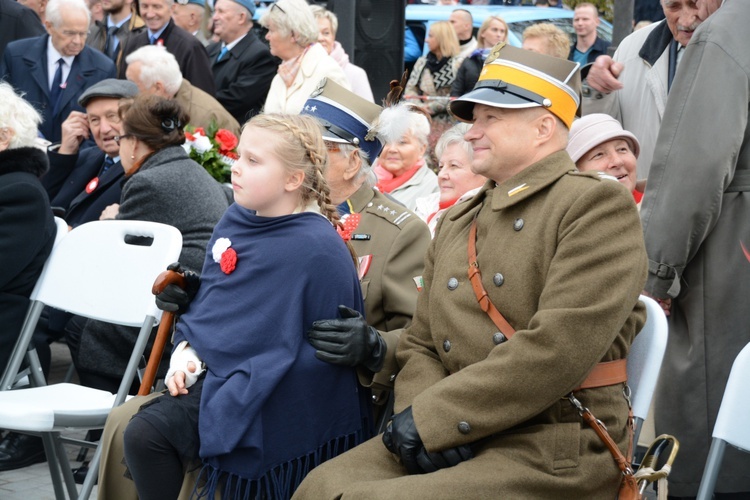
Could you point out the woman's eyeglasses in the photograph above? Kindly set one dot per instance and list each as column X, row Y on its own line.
column 119, row 138
column 276, row 6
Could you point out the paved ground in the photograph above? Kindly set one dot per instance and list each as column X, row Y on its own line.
column 34, row 483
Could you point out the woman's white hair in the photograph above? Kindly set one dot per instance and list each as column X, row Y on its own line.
column 395, row 121
column 55, row 8
column 323, row 13
column 19, row 116
column 157, row 65
column 454, row 135
column 292, row 18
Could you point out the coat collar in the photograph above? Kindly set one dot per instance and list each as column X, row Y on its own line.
column 237, row 50
column 30, row 160
column 361, row 198
column 656, row 43
column 521, row 186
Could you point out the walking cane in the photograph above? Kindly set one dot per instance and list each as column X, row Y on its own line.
column 167, row 317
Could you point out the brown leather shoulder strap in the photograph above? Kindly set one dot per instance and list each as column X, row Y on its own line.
column 475, row 277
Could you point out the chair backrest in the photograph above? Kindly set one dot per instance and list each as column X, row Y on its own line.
column 645, row 357
column 62, row 229
column 734, row 413
column 94, row 272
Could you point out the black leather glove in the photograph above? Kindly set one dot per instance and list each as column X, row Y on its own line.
column 430, row 462
column 175, row 299
column 402, row 438
column 348, row 341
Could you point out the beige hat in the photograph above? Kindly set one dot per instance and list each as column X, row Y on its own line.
column 592, row 130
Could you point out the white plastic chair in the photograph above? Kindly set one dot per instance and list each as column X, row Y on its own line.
column 731, row 423
column 92, row 272
column 644, row 361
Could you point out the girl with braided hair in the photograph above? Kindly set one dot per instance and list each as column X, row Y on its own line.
column 247, row 396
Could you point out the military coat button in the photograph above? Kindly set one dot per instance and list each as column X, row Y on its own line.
column 446, row 345
column 464, row 427
column 499, row 338
column 498, row 279
column 452, row 284
column 518, row 224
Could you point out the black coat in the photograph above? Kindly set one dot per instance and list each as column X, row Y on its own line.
column 243, row 76
column 24, row 65
column 187, row 49
column 17, row 22
column 68, row 177
column 27, row 233
column 467, row 76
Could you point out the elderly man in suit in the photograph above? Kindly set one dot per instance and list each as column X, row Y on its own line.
column 242, row 65
column 156, row 71
column 161, row 30
column 17, row 22
column 191, row 16
column 84, row 182
column 485, row 399
column 53, row 70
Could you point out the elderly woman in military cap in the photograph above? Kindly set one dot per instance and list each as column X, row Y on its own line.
column 528, row 288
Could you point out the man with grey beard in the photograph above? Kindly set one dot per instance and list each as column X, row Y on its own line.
column 633, row 85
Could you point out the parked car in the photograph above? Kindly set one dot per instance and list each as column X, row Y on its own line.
column 420, row 17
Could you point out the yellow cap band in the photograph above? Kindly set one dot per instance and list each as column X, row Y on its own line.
column 563, row 105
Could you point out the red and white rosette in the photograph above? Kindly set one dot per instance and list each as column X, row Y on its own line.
column 224, row 255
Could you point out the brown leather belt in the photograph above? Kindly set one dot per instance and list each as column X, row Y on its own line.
column 602, row 375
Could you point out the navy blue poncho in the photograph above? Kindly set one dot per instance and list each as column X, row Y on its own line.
column 270, row 411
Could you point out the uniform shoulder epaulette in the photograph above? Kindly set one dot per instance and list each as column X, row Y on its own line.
column 392, row 212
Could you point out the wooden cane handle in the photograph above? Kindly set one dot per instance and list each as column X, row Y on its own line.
column 167, row 278
column 162, row 334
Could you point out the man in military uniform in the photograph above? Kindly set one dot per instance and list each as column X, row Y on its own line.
column 390, row 242
column 560, row 254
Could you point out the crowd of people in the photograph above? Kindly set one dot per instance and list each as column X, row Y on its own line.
column 396, row 300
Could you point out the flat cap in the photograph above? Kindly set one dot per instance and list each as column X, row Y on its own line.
column 111, row 87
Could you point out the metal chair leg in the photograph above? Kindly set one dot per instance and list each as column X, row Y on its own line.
column 711, row 472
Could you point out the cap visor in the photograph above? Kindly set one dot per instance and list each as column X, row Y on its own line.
column 463, row 107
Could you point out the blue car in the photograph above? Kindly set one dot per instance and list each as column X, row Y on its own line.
column 420, row 17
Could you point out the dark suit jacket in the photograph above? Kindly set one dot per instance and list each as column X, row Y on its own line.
column 24, row 66
column 68, row 177
column 243, row 76
column 17, row 22
column 189, row 52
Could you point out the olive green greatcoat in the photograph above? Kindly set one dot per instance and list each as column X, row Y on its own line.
column 396, row 247
column 562, row 257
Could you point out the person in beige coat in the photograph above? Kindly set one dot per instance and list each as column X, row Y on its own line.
column 479, row 414
column 155, row 71
column 292, row 37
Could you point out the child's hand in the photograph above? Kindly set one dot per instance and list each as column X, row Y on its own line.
column 176, row 383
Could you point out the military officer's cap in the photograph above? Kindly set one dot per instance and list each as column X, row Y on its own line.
column 346, row 117
column 518, row 78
